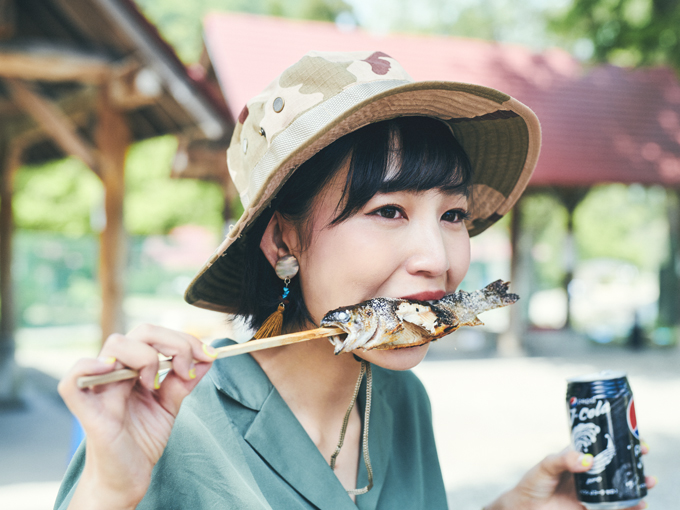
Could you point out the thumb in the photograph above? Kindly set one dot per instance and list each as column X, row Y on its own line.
column 541, row 482
column 567, row 460
column 174, row 389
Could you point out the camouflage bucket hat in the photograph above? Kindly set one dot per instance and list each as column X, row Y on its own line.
column 323, row 97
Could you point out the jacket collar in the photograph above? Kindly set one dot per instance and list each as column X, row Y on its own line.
column 299, row 462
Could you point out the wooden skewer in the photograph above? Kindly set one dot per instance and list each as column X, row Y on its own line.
column 222, row 352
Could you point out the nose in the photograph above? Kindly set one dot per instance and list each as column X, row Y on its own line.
column 429, row 254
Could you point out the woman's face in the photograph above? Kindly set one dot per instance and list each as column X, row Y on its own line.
column 410, row 245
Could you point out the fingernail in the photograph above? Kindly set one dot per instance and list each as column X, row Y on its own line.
column 586, row 460
column 109, row 360
column 644, row 444
column 646, row 505
column 656, row 479
column 156, row 382
column 210, row 351
column 192, row 373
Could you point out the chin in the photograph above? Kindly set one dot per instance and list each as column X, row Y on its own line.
column 395, row 359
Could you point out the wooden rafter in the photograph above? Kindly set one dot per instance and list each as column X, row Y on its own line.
column 58, row 125
column 133, row 86
column 53, row 65
column 77, row 106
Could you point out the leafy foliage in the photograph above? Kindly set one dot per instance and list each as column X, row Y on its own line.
column 624, row 222
column 154, row 203
column 613, row 221
column 544, row 219
column 626, row 32
column 59, row 196
column 64, row 196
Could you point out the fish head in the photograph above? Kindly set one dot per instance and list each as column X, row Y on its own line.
column 355, row 321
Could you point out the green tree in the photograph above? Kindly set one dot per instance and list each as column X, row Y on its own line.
column 625, row 32
column 155, row 203
column 59, row 196
column 64, row 196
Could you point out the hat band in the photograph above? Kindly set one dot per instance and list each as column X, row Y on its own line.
column 307, row 127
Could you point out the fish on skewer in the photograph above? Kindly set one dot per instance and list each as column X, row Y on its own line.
column 390, row 323
column 380, row 323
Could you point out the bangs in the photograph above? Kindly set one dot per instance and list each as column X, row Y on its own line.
column 403, row 154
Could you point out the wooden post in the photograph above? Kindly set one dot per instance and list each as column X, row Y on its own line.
column 669, row 276
column 570, row 198
column 112, row 139
column 9, row 386
column 510, row 343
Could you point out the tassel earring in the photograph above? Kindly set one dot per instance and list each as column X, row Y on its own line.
column 286, row 268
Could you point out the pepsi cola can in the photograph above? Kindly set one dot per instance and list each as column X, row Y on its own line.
column 603, row 424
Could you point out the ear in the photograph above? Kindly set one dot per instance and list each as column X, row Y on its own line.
column 278, row 238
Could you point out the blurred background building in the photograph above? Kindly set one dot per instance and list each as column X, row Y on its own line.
column 114, row 119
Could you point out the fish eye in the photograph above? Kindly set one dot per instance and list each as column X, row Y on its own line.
column 342, row 316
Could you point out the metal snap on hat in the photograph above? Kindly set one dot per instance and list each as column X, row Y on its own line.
column 326, row 95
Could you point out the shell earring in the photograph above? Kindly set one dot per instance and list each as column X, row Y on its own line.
column 286, row 268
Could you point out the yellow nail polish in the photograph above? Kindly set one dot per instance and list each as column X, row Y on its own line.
column 207, row 350
column 644, row 443
column 110, row 360
column 587, row 460
column 192, row 373
column 156, row 382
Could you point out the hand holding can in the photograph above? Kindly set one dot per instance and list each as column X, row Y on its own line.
column 603, row 424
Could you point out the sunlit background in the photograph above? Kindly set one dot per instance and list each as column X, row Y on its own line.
column 595, row 258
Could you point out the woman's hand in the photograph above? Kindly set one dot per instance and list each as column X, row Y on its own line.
column 550, row 485
column 128, row 423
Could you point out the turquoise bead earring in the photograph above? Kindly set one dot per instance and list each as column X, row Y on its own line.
column 286, row 268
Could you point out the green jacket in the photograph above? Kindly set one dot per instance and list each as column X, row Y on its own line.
column 237, row 445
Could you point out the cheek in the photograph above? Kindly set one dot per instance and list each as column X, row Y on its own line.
column 343, row 266
column 459, row 260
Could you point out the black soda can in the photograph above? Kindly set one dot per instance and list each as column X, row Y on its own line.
column 603, row 424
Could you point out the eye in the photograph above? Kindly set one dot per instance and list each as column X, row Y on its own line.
column 389, row 212
column 455, row 216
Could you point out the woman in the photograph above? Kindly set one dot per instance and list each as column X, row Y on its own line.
column 356, row 183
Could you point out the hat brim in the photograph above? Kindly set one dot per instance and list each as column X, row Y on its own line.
column 500, row 135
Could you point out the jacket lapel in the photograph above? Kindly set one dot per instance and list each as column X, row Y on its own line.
column 276, row 434
column 297, row 460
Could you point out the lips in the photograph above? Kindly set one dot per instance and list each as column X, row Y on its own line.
column 428, row 295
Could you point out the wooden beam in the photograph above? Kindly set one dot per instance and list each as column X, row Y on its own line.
column 10, row 157
column 112, row 138
column 79, row 106
column 200, row 160
column 53, row 65
column 134, row 86
column 54, row 122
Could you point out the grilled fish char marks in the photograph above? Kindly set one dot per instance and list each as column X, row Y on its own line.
column 388, row 323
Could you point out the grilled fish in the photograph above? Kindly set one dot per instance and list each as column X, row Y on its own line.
column 389, row 323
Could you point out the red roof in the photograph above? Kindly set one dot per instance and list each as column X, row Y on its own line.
column 604, row 125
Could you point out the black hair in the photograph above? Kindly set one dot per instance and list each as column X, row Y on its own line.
column 402, row 154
